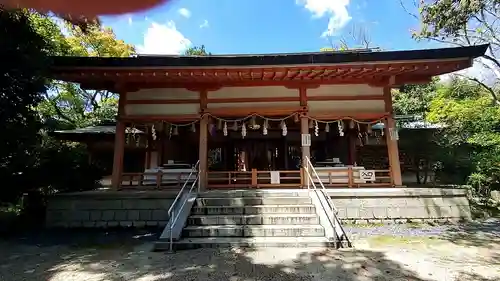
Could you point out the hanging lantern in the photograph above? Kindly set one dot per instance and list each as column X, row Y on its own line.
column 311, row 124
column 296, row 118
column 327, row 127
column 351, row 124
column 193, row 127
column 341, row 128
column 175, row 131
column 224, row 130
column 153, row 132
column 243, row 131
column 316, row 128
column 219, row 124
column 369, row 129
column 235, row 126
column 264, row 127
column 284, row 129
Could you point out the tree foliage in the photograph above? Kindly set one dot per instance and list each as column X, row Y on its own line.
column 197, row 51
column 67, row 105
column 466, row 23
column 21, row 84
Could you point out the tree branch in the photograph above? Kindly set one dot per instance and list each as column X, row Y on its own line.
column 486, row 87
column 57, row 109
column 406, row 10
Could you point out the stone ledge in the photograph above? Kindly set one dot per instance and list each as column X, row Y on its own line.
column 396, row 192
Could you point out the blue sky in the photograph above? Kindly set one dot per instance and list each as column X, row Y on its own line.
column 265, row 26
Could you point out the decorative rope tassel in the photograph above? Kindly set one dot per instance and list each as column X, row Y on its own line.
column 170, row 131
column 235, row 126
column 153, row 132
column 252, row 122
column 296, row 118
column 127, row 138
column 284, row 129
column 193, row 128
column 341, row 128
column 224, row 130
column 311, row 124
column 219, row 124
column 351, row 124
column 382, row 132
column 176, row 131
column 243, row 131
column 316, row 128
column 264, row 127
column 327, row 128
column 366, row 137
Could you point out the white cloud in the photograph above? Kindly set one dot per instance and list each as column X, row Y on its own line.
column 336, row 10
column 130, row 20
column 163, row 39
column 185, row 12
column 204, row 24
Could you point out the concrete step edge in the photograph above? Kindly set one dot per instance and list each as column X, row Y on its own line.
column 258, row 226
column 270, row 215
column 260, row 206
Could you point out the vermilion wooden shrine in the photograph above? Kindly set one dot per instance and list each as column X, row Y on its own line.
column 250, row 120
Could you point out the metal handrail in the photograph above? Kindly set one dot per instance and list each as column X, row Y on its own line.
column 333, row 211
column 170, row 212
column 182, row 189
column 329, row 200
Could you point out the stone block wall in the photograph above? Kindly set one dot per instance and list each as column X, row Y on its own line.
column 385, row 205
column 102, row 209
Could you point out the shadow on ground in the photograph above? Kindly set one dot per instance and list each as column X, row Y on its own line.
column 127, row 255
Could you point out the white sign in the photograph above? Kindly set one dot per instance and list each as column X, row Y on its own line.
column 367, row 175
column 306, row 139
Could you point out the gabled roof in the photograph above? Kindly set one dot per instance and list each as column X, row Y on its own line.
column 364, row 67
column 279, row 59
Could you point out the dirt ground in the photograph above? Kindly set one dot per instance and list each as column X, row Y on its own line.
column 468, row 252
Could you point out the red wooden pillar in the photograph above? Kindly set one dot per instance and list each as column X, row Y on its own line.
column 119, row 149
column 391, row 141
column 203, row 153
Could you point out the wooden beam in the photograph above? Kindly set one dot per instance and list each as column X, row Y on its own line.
column 203, row 153
column 203, row 100
column 352, row 114
column 244, row 111
column 168, row 118
column 303, row 96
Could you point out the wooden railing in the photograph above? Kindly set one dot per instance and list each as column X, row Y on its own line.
column 153, row 179
column 351, row 178
column 254, row 179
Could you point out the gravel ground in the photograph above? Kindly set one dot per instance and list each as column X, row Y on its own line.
column 466, row 252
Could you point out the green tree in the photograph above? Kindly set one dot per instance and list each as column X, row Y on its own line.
column 21, row 84
column 466, row 23
column 414, row 99
column 197, row 51
column 67, row 105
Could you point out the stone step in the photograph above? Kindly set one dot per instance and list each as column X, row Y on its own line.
column 245, row 201
column 247, row 242
column 255, row 193
column 278, row 219
column 254, row 210
column 253, row 231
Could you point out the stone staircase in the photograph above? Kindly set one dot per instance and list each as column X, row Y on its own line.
column 252, row 218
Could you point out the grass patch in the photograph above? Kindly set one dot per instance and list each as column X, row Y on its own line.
column 363, row 225
column 385, row 240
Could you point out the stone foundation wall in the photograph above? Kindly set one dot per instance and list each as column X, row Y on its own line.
column 355, row 205
column 103, row 209
column 386, row 205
